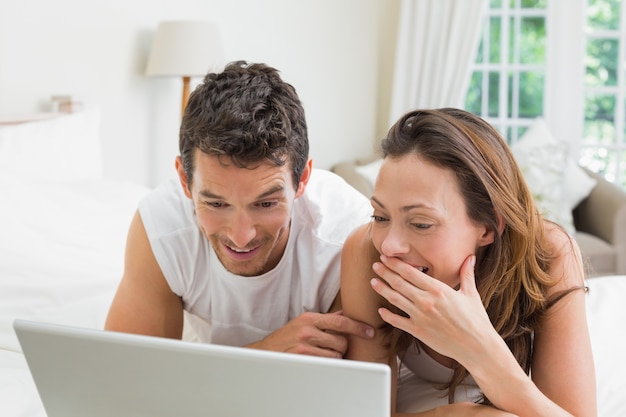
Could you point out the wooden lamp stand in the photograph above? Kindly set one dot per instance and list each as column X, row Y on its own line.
column 186, row 80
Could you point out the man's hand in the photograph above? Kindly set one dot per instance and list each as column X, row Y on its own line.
column 315, row 334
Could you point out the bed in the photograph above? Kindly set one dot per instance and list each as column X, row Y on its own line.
column 62, row 236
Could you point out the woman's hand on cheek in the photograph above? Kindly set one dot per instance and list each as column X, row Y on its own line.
column 443, row 318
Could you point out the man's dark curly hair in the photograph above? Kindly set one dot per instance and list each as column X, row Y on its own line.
column 247, row 114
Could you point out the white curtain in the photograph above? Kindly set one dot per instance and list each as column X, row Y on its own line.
column 437, row 43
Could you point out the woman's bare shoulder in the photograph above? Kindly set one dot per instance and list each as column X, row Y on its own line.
column 359, row 300
column 567, row 267
column 360, row 241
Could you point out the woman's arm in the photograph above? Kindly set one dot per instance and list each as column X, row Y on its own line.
column 360, row 302
column 563, row 373
column 563, row 367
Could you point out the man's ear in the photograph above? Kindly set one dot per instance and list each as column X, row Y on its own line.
column 182, row 176
column 304, row 178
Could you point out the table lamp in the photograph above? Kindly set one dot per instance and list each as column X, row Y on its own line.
column 185, row 49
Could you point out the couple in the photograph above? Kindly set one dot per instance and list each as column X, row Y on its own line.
column 448, row 273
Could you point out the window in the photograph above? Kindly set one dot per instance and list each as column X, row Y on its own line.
column 603, row 147
column 563, row 61
column 508, row 77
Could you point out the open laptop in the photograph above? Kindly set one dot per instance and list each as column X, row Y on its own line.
column 87, row 372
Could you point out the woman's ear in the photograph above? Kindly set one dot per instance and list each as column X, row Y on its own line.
column 489, row 235
column 487, row 238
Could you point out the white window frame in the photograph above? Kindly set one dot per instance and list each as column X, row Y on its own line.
column 502, row 121
column 564, row 72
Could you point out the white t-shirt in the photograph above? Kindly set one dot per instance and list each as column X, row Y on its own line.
column 235, row 310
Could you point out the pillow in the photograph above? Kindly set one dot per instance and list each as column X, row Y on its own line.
column 369, row 171
column 61, row 148
column 556, row 181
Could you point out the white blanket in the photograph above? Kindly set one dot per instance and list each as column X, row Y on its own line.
column 606, row 312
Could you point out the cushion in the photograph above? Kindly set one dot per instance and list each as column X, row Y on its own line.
column 599, row 256
column 369, row 171
column 556, row 181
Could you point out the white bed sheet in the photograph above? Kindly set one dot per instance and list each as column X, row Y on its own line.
column 61, row 258
column 606, row 313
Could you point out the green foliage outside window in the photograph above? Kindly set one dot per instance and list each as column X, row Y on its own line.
column 601, row 14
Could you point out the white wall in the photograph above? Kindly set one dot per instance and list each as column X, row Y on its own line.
column 330, row 50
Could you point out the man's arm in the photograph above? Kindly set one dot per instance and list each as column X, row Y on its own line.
column 144, row 302
column 317, row 334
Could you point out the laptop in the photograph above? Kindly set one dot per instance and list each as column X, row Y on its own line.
column 82, row 372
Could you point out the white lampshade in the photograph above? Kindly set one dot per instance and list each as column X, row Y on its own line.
column 185, row 48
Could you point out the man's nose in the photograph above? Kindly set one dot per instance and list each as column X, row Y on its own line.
column 241, row 230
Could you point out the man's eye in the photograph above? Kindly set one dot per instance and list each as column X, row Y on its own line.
column 266, row 204
column 214, row 204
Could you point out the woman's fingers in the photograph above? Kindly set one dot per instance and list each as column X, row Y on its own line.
column 405, row 271
column 468, row 280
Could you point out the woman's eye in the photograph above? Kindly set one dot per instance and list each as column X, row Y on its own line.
column 379, row 219
column 422, row 226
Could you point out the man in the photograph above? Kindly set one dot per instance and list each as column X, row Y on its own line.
column 248, row 242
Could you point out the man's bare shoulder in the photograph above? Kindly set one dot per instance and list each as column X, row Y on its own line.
column 144, row 302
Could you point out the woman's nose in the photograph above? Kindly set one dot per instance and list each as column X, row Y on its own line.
column 394, row 242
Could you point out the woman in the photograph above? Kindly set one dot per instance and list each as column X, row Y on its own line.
column 468, row 286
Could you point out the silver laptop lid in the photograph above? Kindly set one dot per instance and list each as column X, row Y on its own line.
column 87, row 372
